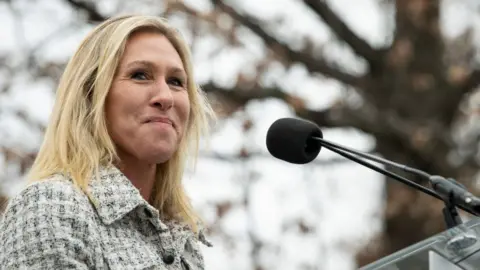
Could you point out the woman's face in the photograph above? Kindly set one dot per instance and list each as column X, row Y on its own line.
column 147, row 107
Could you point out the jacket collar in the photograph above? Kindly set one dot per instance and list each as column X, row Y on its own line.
column 114, row 196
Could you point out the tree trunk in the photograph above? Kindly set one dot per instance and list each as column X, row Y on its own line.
column 413, row 87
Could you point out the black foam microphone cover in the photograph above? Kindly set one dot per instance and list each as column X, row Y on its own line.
column 290, row 139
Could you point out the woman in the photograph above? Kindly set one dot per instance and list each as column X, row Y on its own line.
column 105, row 189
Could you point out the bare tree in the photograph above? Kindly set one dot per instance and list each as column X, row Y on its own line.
column 412, row 96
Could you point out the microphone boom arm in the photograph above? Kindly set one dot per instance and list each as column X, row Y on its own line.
column 450, row 214
column 374, row 158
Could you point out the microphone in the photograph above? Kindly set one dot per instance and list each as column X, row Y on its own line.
column 294, row 141
column 299, row 142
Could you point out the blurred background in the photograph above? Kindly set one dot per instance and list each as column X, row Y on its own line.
column 398, row 79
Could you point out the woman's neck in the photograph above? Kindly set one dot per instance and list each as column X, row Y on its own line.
column 141, row 175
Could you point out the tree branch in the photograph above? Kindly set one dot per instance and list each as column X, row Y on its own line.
column 89, row 8
column 364, row 118
column 472, row 82
column 312, row 64
column 243, row 96
column 341, row 30
column 341, row 116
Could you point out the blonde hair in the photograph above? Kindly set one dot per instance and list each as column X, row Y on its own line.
column 77, row 142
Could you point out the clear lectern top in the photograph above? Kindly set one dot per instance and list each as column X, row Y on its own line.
column 454, row 249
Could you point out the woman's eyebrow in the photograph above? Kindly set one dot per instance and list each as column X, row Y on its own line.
column 150, row 64
column 178, row 70
column 140, row 63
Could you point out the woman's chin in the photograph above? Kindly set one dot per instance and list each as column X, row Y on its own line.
column 160, row 155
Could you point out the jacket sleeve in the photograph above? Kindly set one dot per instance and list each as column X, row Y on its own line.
column 45, row 227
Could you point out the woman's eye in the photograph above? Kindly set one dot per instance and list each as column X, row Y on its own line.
column 176, row 82
column 139, row 75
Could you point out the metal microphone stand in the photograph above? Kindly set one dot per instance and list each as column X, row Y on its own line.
column 450, row 213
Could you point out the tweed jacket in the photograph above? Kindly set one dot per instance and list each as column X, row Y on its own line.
column 52, row 225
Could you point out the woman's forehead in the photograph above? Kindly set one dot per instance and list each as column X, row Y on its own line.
column 151, row 49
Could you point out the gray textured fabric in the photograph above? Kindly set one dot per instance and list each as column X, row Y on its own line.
column 51, row 225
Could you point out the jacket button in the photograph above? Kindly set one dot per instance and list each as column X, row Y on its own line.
column 168, row 257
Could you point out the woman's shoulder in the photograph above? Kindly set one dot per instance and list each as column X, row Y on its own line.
column 52, row 215
column 54, row 189
column 41, row 198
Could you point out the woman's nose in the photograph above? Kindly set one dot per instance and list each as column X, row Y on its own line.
column 163, row 97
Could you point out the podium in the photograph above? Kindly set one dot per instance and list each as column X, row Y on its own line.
column 457, row 248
